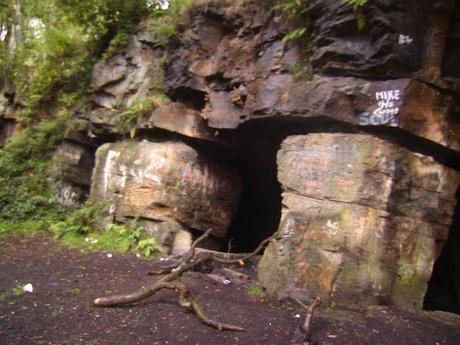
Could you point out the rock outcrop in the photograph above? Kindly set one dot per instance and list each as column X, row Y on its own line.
column 363, row 220
column 8, row 122
column 365, row 213
column 169, row 186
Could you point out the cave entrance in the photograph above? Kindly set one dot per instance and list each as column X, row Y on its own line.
column 259, row 210
column 444, row 286
column 255, row 145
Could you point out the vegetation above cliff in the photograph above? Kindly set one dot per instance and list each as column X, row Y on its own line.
column 47, row 51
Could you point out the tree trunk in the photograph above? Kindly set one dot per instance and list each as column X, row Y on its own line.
column 13, row 38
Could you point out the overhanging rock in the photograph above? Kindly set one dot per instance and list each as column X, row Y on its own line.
column 362, row 222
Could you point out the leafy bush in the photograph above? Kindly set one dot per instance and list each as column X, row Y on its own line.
column 83, row 229
column 297, row 12
column 165, row 22
column 256, row 291
column 147, row 247
column 25, row 195
column 81, row 221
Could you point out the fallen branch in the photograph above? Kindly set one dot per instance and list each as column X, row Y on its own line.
column 200, row 312
column 172, row 280
column 305, row 327
column 243, row 257
column 142, row 293
column 302, row 334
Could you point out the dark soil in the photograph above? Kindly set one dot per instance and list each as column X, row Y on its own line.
column 66, row 280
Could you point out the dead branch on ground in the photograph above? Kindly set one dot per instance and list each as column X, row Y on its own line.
column 306, row 324
column 171, row 279
column 302, row 334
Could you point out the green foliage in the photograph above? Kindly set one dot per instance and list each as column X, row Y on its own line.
column 62, row 40
column 103, row 19
column 50, row 69
column 293, row 8
column 3, row 296
column 296, row 11
column 82, row 229
column 256, row 291
column 147, row 247
column 143, row 105
column 26, row 198
column 120, row 41
column 294, row 35
column 355, row 3
column 164, row 23
column 81, row 221
column 58, row 61
column 18, row 290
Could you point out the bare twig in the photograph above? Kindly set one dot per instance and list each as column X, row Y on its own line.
column 172, row 280
column 305, row 327
column 191, row 252
column 142, row 293
column 200, row 312
column 299, row 302
column 244, row 257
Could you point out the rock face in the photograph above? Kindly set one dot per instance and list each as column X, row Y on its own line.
column 168, row 184
column 363, row 220
column 253, row 74
column 364, row 214
column 8, row 122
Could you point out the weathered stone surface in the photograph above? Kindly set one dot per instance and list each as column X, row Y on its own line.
column 167, row 183
column 8, row 122
column 8, row 127
column 247, row 73
column 230, row 66
column 71, row 168
column 365, row 170
column 450, row 67
column 126, row 76
column 178, row 118
column 391, row 43
column 363, row 220
column 77, row 131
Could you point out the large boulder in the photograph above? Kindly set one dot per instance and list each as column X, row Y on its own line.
column 363, row 220
column 170, row 186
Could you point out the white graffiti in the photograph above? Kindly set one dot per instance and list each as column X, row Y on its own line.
column 386, row 111
column 69, row 197
column 107, row 169
column 289, row 228
column 405, row 39
column 332, row 227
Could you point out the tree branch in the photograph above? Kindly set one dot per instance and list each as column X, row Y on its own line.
column 172, row 280
column 305, row 327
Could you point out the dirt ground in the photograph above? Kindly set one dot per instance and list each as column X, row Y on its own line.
column 66, row 280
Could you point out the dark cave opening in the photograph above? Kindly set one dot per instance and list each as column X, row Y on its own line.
column 259, row 210
column 443, row 291
column 252, row 149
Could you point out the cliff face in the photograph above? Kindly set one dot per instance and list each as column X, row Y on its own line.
column 360, row 133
